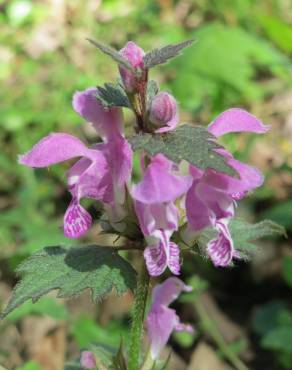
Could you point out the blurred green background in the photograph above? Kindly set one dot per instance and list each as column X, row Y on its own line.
column 242, row 58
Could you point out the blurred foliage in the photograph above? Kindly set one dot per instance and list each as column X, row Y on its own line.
column 242, row 57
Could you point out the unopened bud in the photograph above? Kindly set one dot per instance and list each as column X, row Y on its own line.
column 164, row 112
column 87, row 360
column 134, row 54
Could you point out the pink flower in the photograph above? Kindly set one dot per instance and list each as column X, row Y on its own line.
column 134, row 54
column 210, row 200
column 102, row 171
column 164, row 112
column 87, row 360
column 157, row 214
column 162, row 320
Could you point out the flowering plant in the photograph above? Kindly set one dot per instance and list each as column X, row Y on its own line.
column 172, row 209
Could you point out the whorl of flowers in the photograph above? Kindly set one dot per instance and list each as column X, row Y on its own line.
column 103, row 173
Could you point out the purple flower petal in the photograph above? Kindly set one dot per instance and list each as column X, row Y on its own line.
column 87, row 360
column 218, row 202
column 250, row 179
column 55, row 148
column 161, row 320
column 197, row 212
column 134, row 54
column 93, row 180
column 152, row 217
column 236, row 120
column 173, row 258
column 120, row 156
column 169, row 290
column 156, row 259
column 162, row 253
column 220, row 249
column 107, row 122
column 160, row 185
column 76, row 220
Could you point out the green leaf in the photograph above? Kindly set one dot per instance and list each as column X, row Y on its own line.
column 266, row 317
column 113, row 53
column 112, row 95
column 188, row 142
column 287, row 269
column 244, row 234
column 162, row 55
column 71, row 270
column 45, row 306
column 281, row 213
column 278, row 339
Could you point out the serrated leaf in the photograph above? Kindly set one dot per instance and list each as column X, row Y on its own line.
column 244, row 234
column 113, row 53
column 188, row 142
column 71, row 270
column 112, row 95
column 162, row 55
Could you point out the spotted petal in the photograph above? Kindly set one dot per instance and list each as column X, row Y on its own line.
column 76, row 220
column 221, row 249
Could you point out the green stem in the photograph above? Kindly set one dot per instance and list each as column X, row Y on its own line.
column 210, row 327
column 138, row 318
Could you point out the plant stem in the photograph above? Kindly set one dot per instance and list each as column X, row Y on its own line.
column 138, row 318
column 210, row 327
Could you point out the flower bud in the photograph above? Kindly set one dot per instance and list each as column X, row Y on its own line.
column 164, row 112
column 134, row 54
column 87, row 360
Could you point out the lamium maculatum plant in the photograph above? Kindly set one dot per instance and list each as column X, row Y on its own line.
column 184, row 202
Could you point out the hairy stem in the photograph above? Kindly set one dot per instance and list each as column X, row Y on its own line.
column 138, row 318
column 210, row 327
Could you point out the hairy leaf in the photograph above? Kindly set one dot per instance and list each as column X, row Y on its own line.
column 113, row 53
column 112, row 95
column 162, row 55
column 244, row 234
column 71, row 270
column 188, row 142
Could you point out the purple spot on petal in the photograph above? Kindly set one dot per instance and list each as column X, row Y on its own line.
column 76, row 220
